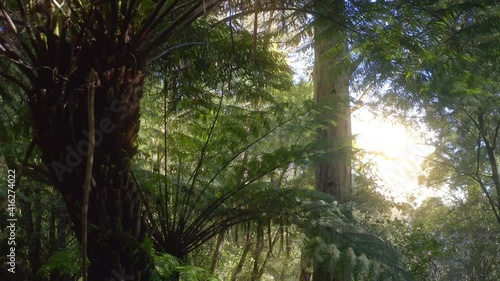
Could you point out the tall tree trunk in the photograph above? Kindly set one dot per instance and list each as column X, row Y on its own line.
column 492, row 159
column 217, row 252
column 331, row 91
column 116, row 225
column 268, row 254
column 259, row 247
column 241, row 262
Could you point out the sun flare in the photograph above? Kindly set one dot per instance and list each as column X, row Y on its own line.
column 396, row 151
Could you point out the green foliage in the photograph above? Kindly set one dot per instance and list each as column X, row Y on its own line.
column 259, row 150
column 66, row 262
column 168, row 267
column 443, row 72
column 454, row 241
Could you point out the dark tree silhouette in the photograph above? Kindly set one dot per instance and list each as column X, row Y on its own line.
column 50, row 50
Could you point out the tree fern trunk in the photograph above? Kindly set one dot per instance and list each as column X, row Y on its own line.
column 116, row 227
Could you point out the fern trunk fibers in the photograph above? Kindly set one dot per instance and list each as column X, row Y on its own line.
column 116, row 226
column 331, row 91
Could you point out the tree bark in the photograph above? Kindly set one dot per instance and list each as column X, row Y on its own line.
column 268, row 255
column 259, row 247
column 331, row 91
column 217, row 253
column 59, row 116
column 492, row 158
column 239, row 267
